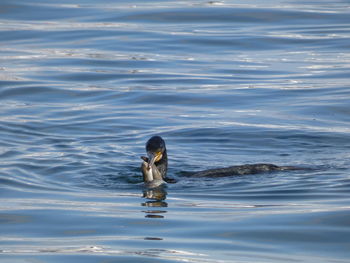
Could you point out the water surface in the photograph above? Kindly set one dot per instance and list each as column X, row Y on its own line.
column 84, row 84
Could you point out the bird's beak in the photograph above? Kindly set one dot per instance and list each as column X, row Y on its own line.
column 152, row 158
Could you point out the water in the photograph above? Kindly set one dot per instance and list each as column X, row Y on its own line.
column 84, row 84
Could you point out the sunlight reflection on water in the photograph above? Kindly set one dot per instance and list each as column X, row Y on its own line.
column 83, row 85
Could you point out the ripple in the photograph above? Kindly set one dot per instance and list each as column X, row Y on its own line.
column 83, row 85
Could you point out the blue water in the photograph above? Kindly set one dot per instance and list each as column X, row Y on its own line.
column 84, row 84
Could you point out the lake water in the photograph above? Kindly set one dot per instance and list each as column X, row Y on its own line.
column 84, row 84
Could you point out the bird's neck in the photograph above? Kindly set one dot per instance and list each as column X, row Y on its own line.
column 162, row 165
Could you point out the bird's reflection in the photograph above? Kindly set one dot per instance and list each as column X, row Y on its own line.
column 155, row 198
column 156, row 194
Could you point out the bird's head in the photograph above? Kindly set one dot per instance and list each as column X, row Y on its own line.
column 155, row 148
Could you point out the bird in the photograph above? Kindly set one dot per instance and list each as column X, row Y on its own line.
column 154, row 167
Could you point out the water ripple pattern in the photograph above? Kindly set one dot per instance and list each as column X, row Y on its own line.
column 84, row 84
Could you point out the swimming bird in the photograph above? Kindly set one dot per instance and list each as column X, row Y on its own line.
column 154, row 166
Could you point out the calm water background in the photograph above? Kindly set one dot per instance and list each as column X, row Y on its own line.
column 83, row 85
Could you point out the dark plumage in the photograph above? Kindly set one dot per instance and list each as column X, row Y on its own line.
column 157, row 144
column 155, row 165
column 241, row 170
